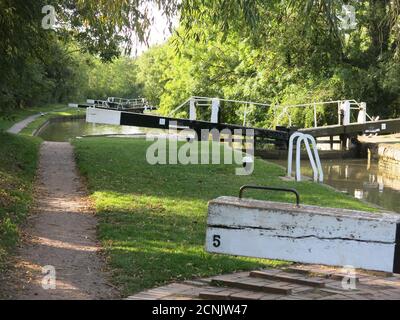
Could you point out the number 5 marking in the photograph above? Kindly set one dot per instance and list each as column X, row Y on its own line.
column 216, row 241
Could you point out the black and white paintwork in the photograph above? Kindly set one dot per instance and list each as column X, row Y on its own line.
column 306, row 234
column 113, row 117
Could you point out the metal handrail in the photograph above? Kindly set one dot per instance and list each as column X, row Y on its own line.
column 314, row 158
column 311, row 104
column 294, row 191
column 208, row 99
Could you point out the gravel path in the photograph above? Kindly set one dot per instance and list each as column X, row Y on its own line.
column 19, row 126
column 61, row 232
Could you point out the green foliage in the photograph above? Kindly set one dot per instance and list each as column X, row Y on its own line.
column 113, row 79
column 40, row 65
column 296, row 53
column 268, row 51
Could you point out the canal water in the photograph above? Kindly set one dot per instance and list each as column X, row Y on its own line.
column 358, row 178
column 65, row 130
column 353, row 176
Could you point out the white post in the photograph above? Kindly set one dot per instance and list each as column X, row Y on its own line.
column 192, row 110
column 345, row 107
column 362, row 114
column 215, row 110
column 315, row 116
column 290, row 117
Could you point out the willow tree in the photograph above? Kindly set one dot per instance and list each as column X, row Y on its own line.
column 308, row 34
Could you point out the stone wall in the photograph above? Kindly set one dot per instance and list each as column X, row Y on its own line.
column 389, row 158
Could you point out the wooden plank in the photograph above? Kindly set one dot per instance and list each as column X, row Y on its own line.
column 308, row 234
column 97, row 115
column 317, row 283
column 380, row 127
column 268, row 288
column 285, row 220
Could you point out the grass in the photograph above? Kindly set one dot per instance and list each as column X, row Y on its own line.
column 18, row 161
column 153, row 218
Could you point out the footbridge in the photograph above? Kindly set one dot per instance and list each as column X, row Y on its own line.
column 352, row 121
column 113, row 103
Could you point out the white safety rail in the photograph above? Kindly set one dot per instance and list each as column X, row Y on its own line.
column 344, row 111
column 120, row 103
column 312, row 155
column 214, row 103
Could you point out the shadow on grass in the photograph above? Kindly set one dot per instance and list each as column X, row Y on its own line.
column 153, row 218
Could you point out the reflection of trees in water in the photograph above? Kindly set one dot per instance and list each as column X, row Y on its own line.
column 62, row 131
column 98, row 129
column 372, row 183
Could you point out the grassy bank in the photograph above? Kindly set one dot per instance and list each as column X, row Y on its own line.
column 18, row 161
column 30, row 129
column 6, row 122
column 153, row 218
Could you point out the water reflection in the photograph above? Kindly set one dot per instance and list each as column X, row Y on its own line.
column 363, row 180
column 63, row 131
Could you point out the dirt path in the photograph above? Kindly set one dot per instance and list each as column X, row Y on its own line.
column 61, row 233
column 19, row 126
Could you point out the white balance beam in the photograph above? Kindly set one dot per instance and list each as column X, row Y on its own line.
column 103, row 116
column 306, row 234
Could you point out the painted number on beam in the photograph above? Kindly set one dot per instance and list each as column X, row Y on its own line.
column 216, row 240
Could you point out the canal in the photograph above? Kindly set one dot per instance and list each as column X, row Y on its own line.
column 65, row 130
column 364, row 181
column 357, row 177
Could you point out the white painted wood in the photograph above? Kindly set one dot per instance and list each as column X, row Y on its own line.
column 103, row 116
column 346, row 108
column 72, row 105
column 91, row 101
column 215, row 110
column 192, row 110
column 255, row 243
column 362, row 114
column 308, row 234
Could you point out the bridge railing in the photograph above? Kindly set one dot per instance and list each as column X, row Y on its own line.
column 344, row 109
column 214, row 103
column 120, row 103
